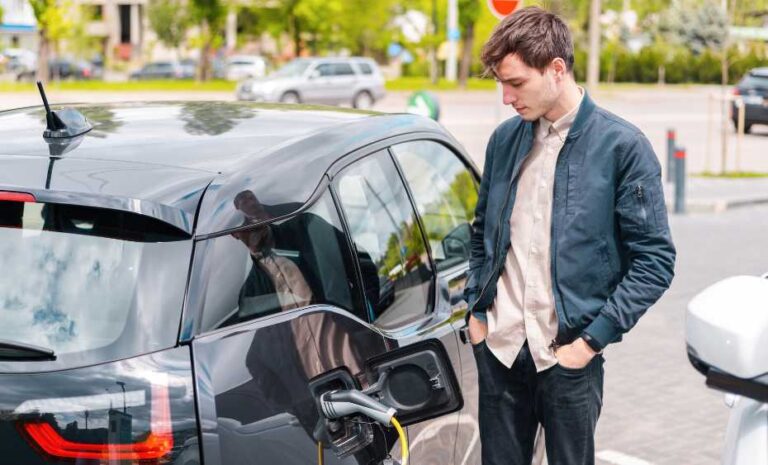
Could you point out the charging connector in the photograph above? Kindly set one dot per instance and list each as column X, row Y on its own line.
column 338, row 404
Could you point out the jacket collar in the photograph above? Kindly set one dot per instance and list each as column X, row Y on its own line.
column 586, row 108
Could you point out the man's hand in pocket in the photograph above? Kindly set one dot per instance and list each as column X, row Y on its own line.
column 478, row 330
column 575, row 355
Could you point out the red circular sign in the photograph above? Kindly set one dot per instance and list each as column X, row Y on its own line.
column 502, row 8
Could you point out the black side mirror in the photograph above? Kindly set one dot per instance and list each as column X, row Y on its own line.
column 456, row 243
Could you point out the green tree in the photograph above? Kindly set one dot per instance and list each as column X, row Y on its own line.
column 52, row 25
column 170, row 21
column 209, row 14
column 697, row 25
column 469, row 13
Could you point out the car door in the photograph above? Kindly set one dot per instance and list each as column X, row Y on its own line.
column 445, row 191
column 398, row 281
column 345, row 82
column 318, row 84
column 282, row 320
column 255, row 353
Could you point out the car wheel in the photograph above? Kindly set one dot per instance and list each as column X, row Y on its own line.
column 363, row 100
column 290, row 97
column 747, row 127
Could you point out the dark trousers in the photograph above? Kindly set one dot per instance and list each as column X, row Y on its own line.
column 514, row 401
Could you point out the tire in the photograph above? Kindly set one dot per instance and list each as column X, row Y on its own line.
column 290, row 97
column 363, row 100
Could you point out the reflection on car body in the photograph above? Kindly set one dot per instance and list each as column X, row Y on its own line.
column 197, row 267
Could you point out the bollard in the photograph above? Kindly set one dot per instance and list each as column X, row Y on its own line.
column 679, row 180
column 671, row 155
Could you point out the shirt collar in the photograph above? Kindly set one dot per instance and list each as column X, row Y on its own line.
column 562, row 125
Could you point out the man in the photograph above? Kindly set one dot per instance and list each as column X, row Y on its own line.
column 570, row 246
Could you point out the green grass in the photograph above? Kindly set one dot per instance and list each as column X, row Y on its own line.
column 423, row 83
column 405, row 84
column 732, row 175
column 130, row 86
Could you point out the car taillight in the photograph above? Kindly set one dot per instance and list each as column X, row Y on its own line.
column 136, row 411
column 157, row 444
column 86, row 72
column 736, row 91
column 17, row 197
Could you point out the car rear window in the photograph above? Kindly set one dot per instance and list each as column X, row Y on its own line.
column 90, row 283
column 755, row 81
column 365, row 68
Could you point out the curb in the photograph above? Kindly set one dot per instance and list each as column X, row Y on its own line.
column 718, row 206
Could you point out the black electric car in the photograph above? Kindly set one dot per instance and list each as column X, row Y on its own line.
column 183, row 282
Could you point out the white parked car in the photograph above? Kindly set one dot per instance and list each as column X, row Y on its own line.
column 241, row 67
column 727, row 338
column 332, row 81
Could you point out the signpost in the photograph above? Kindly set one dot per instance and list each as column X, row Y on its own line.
column 502, row 8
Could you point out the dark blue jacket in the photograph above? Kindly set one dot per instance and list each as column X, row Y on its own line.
column 611, row 249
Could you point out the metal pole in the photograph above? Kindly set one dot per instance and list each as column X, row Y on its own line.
column 724, row 94
column 680, row 180
column 453, row 38
column 593, row 60
column 707, row 161
column 740, row 136
column 670, row 155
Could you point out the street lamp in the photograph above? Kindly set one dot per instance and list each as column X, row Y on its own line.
column 122, row 386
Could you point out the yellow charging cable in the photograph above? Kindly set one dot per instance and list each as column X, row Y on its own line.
column 403, row 440
column 400, row 433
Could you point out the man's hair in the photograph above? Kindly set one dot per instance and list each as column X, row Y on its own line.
column 535, row 35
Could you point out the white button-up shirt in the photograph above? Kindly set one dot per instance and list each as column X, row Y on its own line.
column 524, row 307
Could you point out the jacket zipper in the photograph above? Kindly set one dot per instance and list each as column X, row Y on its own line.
column 501, row 217
column 640, row 194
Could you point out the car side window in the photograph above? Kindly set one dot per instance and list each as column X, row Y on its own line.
column 278, row 266
column 325, row 69
column 445, row 193
column 388, row 242
column 343, row 69
column 365, row 68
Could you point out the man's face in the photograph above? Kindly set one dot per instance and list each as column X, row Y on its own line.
column 531, row 92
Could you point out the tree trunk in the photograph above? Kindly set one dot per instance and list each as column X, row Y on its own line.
column 203, row 73
column 296, row 36
column 468, row 43
column 41, row 74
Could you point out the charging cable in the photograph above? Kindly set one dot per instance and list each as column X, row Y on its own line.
column 338, row 404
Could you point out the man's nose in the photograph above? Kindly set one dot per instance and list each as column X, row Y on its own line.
column 508, row 95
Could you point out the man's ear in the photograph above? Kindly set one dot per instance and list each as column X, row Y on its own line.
column 559, row 67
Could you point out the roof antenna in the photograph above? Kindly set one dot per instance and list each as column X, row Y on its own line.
column 63, row 124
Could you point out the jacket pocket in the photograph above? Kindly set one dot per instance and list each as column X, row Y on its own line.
column 637, row 207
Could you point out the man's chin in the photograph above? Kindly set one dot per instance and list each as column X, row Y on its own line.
column 528, row 115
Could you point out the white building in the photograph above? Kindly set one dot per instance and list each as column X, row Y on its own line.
column 18, row 28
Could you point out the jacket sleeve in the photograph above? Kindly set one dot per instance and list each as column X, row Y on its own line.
column 477, row 249
column 641, row 214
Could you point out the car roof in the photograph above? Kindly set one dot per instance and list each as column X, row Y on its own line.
column 761, row 72
column 160, row 158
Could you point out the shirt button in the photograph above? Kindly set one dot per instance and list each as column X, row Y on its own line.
column 538, row 216
column 534, row 250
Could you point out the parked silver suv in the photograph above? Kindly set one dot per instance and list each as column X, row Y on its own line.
column 333, row 81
